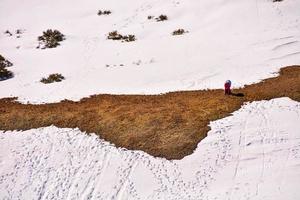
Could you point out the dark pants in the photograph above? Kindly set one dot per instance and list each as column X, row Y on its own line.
column 227, row 91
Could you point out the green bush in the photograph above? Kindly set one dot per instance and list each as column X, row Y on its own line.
column 53, row 78
column 51, row 38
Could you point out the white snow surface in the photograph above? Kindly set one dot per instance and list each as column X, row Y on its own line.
column 253, row 154
column 241, row 40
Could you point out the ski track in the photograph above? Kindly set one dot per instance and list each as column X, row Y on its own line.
column 249, row 155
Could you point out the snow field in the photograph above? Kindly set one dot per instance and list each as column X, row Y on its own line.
column 244, row 41
column 253, row 154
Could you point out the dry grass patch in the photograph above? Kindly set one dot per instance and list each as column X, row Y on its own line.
column 169, row 125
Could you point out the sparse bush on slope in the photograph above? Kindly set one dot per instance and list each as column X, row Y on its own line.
column 179, row 32
column 129, row 38
column 18, row 33
column 7, row 32
column 161, row 18
column 5, row 73
column 150, row 17
column 4, row 62
column 105, row 12
column 114, row 35
column 53, row 78
column 51, row 38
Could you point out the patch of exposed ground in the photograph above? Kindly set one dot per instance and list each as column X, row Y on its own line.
column 169, row 125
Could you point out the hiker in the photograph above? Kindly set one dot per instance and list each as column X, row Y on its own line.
column 227, row 86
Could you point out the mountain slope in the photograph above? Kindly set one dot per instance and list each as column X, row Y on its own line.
column 253, row 154
column 244, row 41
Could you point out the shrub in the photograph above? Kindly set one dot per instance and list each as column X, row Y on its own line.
column 51, row 38
column 161, row 18
column 4, row 63
column 8, row 33
column 105, row 12
column 129, row 38
column 114, row 35
column 150, row 17
column 5, row 74
column 53, row 78
column 277, row 0
column 19, row 31
column 179, row 32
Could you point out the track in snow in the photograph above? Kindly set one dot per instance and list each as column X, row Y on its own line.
column 250, row 155
column 245, row 41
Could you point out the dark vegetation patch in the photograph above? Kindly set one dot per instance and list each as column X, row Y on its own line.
column 4, row 62
column 5, row 73
column 169, row 125
column 50, row 39
column 150, row 17
column 53, row 78
column 7, row 32
column 19, row 32
column 161, row 18
column 104, row 12
column 179, row 32
column 114, row 35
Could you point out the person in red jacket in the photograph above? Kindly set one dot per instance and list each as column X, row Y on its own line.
column 227, row 86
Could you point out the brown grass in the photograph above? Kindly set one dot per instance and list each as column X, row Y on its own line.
column 169, row 125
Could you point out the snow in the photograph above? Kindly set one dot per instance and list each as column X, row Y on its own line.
column 244, row 41
column 253, row 154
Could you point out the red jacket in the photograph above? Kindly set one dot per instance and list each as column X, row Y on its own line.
column 227, row 86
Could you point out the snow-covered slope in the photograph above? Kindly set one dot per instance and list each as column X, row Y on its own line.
column 254, row 154
column 244, row 41
column 250, row 155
